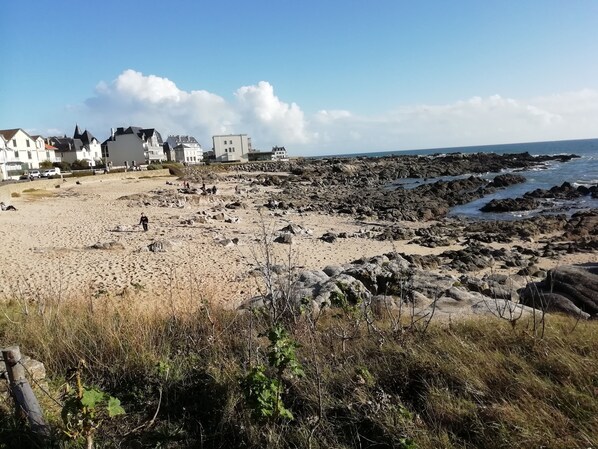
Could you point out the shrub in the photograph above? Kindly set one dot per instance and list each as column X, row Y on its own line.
column 80, row 165
column 63, row 166
column 469, row 383
column 174, row 168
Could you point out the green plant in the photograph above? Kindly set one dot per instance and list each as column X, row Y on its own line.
column 64, row 166
column 85, row 409
column 80, row 164
column 263, row 391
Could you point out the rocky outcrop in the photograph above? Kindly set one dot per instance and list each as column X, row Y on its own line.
column 571, row 289
column 533, row 200
column 565, row 191
column 511, row 205
column 507, row 179
column 364, row 187
column 392, row 281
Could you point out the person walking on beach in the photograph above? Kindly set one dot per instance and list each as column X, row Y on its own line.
column 143, row 221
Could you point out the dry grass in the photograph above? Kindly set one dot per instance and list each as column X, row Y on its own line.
column 474, row 383
column 36, row 194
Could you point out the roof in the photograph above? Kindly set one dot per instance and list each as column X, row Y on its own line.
column 87, row 137
column 183, row 139
column 186, row 145
column 9, row 133
column 143, row 133
column 65, row 143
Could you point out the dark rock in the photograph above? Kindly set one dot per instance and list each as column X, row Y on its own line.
column 507, row 179
column 510, row 205
column 285, row 238
column 236, row 205
column 568, row 288
column 329, row 237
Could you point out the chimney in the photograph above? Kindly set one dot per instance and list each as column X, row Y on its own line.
column 112, row 132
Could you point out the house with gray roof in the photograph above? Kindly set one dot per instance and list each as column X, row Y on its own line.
column 183, row 149
column 133, row 146
column 83, row 146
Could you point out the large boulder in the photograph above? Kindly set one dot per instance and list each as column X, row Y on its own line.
column 571, row 289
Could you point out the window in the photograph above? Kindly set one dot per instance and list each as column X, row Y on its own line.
column 16, row 154
column 29, row 154
column 14, row 142
column 28, row 143
column 48, row 155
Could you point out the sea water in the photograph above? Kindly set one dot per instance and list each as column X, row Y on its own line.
column 578, row 171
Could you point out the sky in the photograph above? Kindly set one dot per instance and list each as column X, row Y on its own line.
column 319, row 77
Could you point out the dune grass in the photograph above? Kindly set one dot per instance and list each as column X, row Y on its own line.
column 472, row 383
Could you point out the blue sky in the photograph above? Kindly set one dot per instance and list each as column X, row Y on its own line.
column 319, row 77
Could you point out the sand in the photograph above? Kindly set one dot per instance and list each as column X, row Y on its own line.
column 47, row 254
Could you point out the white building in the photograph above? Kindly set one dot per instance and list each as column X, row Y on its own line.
column 3, row 155
column 231, row 147
column 82, row 147
column 183, row 149
column 133, row 146
column 22, row 152
column 279, row 154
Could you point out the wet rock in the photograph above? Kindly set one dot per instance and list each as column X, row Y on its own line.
column 507, row 179
column 565, row 191
column 510, row 205
column 315, row 184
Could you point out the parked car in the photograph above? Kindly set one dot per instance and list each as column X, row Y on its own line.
column 31, row 174
column 51, row 172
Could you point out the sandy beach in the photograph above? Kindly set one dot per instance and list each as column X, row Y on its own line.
column 48, row 253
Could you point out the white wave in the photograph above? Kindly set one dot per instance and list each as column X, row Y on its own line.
column 585, row 183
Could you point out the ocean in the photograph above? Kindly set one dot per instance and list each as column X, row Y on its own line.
column 581, row 171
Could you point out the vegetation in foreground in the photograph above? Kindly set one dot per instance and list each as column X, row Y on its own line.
column 194, row 376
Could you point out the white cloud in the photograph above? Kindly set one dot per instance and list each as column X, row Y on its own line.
column 268, row 116
column 152, row 101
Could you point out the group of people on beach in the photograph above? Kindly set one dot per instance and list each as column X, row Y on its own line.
column 207, row 190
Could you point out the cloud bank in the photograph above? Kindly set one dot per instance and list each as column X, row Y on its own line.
column 152, row 101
